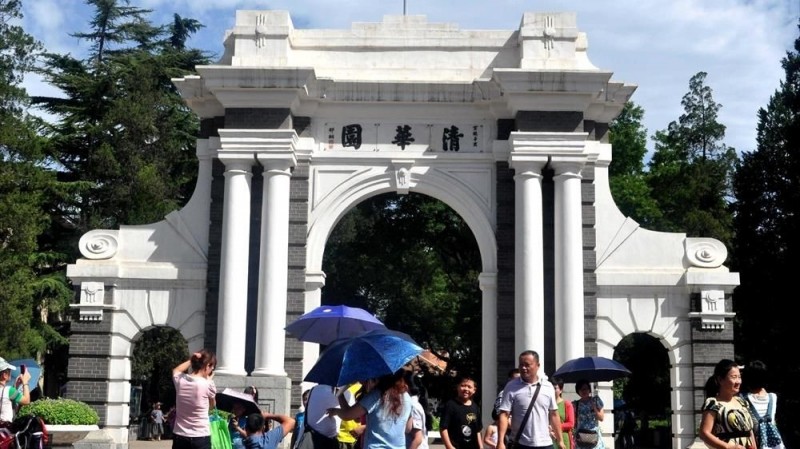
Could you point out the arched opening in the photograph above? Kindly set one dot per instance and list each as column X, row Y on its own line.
column 413, row 262
column 155, row 353
column 645, row 394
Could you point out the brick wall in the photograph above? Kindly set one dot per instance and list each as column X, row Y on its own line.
column 298, row 230
column 88, row 364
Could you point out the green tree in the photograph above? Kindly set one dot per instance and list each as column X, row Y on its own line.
column 767, row 244
column 627, row 177
column 157, row 351
column 29, row 286
column 122, row 125
column 408, row 258
column 691, row 170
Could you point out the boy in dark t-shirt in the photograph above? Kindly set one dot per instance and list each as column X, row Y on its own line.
column 461, row 423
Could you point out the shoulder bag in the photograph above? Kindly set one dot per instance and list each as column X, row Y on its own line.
column 584, row 438
column 524, row 421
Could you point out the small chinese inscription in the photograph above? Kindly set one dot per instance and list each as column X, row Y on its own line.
column 403, row 136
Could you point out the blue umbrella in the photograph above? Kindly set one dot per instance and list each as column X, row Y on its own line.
column 326, row 324
column 592, row 369
column 32, row 366
column 369, row 355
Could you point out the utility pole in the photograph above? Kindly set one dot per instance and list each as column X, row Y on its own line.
column 405, row 8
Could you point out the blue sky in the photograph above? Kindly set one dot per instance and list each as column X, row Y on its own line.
column 658, row 45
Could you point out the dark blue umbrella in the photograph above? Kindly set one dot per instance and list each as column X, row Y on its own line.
column 592, row 369
column 369, row 355
column 32, row 367
column 326, row 324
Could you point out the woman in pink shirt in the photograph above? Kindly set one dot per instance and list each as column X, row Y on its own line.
column 194, row 397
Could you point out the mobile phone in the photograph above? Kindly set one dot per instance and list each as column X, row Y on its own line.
column 22, row 369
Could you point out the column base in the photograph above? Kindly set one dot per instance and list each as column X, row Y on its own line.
column 224, row 371
column 274, row 392
column 266, row 372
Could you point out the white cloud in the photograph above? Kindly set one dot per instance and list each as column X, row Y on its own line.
column 654, row 44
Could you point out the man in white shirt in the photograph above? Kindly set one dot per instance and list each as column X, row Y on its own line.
column 517, row 396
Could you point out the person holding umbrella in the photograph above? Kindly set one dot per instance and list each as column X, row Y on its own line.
column 388, row 411
column 11, row 396
column 588, row 414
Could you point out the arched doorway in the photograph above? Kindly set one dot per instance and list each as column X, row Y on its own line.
column 646, row 392
column 408, row 258
column 155, row 352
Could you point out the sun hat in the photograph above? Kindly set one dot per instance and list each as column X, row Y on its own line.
column 5, row 365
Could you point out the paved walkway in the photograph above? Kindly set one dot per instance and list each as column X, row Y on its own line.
column 167, row 444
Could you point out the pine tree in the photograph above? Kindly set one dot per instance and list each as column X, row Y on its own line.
column 122, row 126
column 691, row 170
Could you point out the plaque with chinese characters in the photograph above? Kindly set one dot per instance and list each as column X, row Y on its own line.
column 409, row 137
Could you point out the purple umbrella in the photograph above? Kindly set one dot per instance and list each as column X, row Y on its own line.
column 326, row 324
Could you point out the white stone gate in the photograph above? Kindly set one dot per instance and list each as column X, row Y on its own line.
column 509, row 128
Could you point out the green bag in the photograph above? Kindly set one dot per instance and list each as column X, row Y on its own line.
column 220, row 435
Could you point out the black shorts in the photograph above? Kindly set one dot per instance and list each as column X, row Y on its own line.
column 182, row 442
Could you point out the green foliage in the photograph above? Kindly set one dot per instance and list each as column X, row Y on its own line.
column 30, row 285
column 156, row 352
column 647, row 390
column 691, row 170
column 408, row 258
column 627, row 178
column 123, row 129
column 61, row 411
column 767, row 244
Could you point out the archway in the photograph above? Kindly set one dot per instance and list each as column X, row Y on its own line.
column 646, row 392
column 408, row 258
column 155, row 352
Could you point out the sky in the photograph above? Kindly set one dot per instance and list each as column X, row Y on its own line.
column 657, row 45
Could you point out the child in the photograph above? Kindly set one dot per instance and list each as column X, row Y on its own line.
column 490, row 440
column 461, row 419
column 157, row 418
column 257, row 439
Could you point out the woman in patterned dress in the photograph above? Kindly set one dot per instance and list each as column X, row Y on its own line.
column 726, row 422
column 588, row 414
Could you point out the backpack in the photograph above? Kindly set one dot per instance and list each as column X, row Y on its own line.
column 766, row 431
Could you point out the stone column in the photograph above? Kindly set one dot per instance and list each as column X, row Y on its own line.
column 568, row 261
column 276, row 154
column 488, row 285
column 231, row 331
column 528, row 162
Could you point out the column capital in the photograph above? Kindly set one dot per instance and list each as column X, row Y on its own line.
column 273, row 148
column 314, row 280
column 236, row 160
column 568, row 168
column 565, row 152
column 487, row 280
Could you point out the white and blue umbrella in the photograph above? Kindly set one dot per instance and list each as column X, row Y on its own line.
column 367, row 356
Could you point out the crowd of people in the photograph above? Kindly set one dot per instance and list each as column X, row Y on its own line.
column 391, row 412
